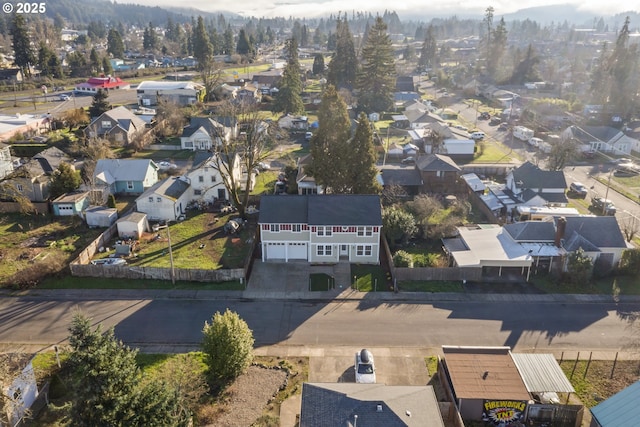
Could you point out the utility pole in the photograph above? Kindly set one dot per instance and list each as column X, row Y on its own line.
column 606, row 194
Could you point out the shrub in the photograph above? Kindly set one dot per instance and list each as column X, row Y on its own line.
column 402, row 259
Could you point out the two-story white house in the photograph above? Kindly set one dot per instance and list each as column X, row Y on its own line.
column 205, row 133
column 208, row 176
column 166, row 200
column 321, row 229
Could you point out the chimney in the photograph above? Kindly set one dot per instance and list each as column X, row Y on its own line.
column 561, row 226
column 379, row 408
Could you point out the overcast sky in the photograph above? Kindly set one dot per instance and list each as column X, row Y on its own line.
column 405, row 8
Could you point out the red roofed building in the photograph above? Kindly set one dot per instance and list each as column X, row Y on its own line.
column 105, row 83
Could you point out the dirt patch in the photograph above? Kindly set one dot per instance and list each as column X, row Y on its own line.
column 245, row 400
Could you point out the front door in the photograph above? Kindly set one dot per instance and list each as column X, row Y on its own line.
column 344, row 251
column 222, row 195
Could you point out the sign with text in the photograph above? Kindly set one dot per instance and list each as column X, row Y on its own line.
column 500, row 412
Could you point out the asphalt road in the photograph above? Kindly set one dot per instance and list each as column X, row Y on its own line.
column 177, row 323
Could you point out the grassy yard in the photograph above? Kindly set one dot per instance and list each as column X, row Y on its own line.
column 492, row 152
column 265, row 183
column 197, row 243
column 71, row 282
column 369, row 278
column 615, row 285
column 35, row 243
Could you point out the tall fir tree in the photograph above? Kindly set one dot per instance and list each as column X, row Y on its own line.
column 289, row 98
column 330, row 145
column 363, row 159
column 343, row 67
column 100, row 104
column 24, row 57
column 624, row 75
column 115, row 45
column 376, row 79
column 202, row 48
column 429, row 49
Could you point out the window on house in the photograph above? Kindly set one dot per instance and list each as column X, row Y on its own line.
column 368, row 231
column 324, row 250
column 363, row 250
column 158, row 199
column 320, row 231
column 297, row 228
column 106, row 124
column 328, row 231
column 213, row 178
column 19, row 187
column 197, row 192
column 439, row 174
column 150, row 199
column 275, row 228
column 129, row 185
column 200, row 178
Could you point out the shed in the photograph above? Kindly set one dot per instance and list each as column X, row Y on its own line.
column 100, row 216
column 70, row 204
column 132, row 225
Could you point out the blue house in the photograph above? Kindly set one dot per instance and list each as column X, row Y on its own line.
column 70, row 204
column 125, row 176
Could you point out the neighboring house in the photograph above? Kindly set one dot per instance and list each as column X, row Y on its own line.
column 407, row 177
column 166, row 200
column 321, row 228
column 25, row 124
column 294, row 122
column 33, row 178
column 23, row 388
column 620, row 410
column 248, row 94
column 307, row 183
column 180, row 93
column 350, row 404
column 119, row 124
column 419, row 118
column 267, row 81
column 205, row 133
column 606, row 139
column 632, row 130
column 124, row 176
column 440, row 174
column 543, row 244
column 536, row 187
column 70, row 204
column 207, row 180
column 132, row 225
column 102, row 83
column 6, row 162
column 11, row 75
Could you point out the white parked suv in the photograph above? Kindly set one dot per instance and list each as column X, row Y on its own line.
column 365, row 368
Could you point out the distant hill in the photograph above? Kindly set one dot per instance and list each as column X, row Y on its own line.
column 553, row 13
column 81, row 12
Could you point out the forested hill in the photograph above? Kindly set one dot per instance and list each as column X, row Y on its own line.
column 81, row 12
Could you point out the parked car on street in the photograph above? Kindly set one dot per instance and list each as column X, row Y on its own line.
column 578, row 189
column 602, row 206
column 164, row 165
column 365, row 368
column 477, row 135
column 64, row 97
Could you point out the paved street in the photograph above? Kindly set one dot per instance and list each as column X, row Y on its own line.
column 525, row 322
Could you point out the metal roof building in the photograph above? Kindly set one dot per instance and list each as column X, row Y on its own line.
column 620, row 410
column 541, row 373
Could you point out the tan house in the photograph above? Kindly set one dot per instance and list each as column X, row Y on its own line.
column 119, row 125
column 440, row 174
column 321, row 228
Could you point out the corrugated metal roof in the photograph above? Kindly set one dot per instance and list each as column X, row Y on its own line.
column 541, row 372
column 621, row 409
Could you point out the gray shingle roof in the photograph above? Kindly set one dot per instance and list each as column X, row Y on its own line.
column 531, row 231
column 124, row 169
column 532, row 176
column 211, row 126
column 549, row 197
column 401, row 176
column 601, row 231
column 342, row 209
column 336, row 404
column 436, row 162
column 171, row 188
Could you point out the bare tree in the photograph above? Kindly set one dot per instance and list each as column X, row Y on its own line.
column 630, row 227
column 248, row 148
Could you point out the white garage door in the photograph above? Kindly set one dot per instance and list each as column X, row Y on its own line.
column 276, row 250
column 297, row 251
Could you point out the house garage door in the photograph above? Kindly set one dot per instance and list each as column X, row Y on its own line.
column 275, row 250
column 297, row 251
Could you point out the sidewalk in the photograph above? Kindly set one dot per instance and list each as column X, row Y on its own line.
column 337, row 295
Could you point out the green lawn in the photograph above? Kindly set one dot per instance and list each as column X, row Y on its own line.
column 492, row 152
column 369, row 278
column 265, row 183
column 614, row 285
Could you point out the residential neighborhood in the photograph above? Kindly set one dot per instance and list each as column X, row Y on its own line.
column 375, row 218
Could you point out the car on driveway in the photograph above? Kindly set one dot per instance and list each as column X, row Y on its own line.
column 365, row 368
column 578, row 189
column 164, row 165
column 602, row 206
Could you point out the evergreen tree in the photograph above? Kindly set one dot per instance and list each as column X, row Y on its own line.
column 227, row 47
column 64, row 180
column 106, row 66
column 376, row 80
column 429, row 50
column 318, row 64
column 244, row 46
column 100, row 104
column 115, row 45
column 498, row 48
column 344, row 64
column 363, row 159
column 94, row 61
column 289, row 99
column 78, row 64
column 202, row 48
column 624, row 75
column 228, row 346
column 44, row 60
column 150, row 38
column 24, row 56
column 525, row 70
column 330, row 145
